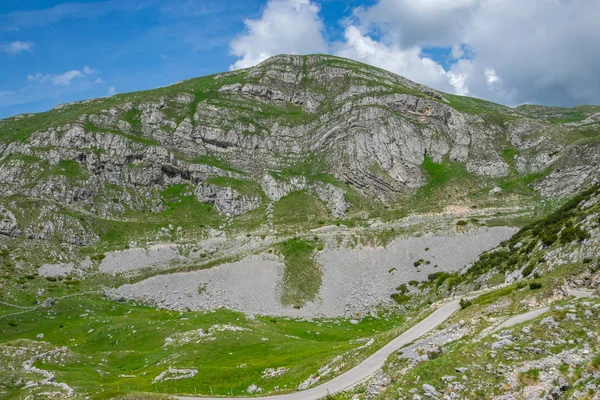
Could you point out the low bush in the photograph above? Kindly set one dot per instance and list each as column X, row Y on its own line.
column 400, row 298
column 464, row 303
column 535, row 285
column 402, row 288
column 528, row 270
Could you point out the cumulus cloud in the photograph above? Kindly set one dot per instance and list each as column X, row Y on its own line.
column 65, row 78
column 420, row 22
column 16, row 47
column 510, row 51
column 410, row 62
column 285, row 26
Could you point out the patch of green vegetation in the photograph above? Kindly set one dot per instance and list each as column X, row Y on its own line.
column 475, row 106
column 489, row 298
column 444, row 179
column 243, row 187
column 535, row 285
column 303, row 275
column 129, row 344
column 299, row 209
column 520, row 184
column 529, row 377
column 134, row 118
column 400, row 298
column 71, row 169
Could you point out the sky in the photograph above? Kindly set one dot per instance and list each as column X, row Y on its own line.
column 507, row 51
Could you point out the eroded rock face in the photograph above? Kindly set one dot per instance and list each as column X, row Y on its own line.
column 8, row 223
column 227, row 200
column 333, row 196
column 277, row 189
column 572, row 173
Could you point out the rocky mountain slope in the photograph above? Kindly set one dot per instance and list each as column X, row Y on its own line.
column 340, row 137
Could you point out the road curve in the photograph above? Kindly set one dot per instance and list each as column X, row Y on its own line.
column 517, row 319
column 366, row 368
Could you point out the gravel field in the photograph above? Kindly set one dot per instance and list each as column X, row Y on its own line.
column 133, row 259
column 354, row 280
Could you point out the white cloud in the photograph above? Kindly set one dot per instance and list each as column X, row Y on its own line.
column 111, row 91
column 491, row 77
column 409, row 63
column 65, row 78
column 510, row 51
column 16, row 47
column 285, row 26
column 419, row 22
column 34, row 77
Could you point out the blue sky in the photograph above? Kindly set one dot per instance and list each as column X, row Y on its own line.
column 53, row 52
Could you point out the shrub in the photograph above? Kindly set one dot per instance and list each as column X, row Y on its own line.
column 418, row 262
column 464, row 303
column 434, row 276
column 402, row 288
column 535, row 285
column 527, row 270
column 97, row 257
column 595, row 362
column 400, row 298
column 573, row 233
column 548, row 238
column 462, row 222
column 413, row 282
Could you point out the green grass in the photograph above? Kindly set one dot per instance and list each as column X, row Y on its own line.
column 299, row 210
column 248, row 188
column 475, row 106
column 302, row 278
column 123, row 339
column 444, row 181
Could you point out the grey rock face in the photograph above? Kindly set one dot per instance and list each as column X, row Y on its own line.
column 277, row 189
column 227, row 200
column 8, row 223
column 333, row 196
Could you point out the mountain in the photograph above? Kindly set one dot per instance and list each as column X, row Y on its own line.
column 351, row 136
column 266, row 229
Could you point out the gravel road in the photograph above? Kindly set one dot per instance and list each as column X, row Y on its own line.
column 517, row 319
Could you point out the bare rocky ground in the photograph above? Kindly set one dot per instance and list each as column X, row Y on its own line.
column 354, row 280
column 533, row 361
